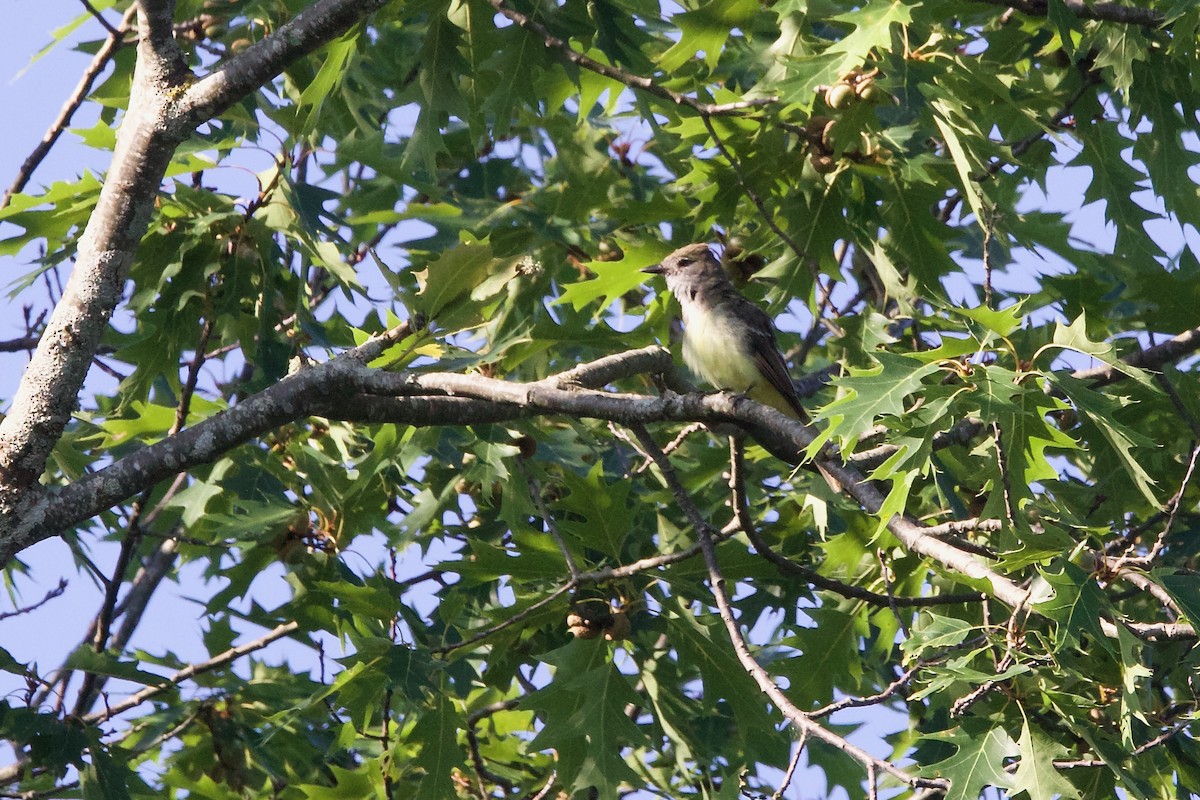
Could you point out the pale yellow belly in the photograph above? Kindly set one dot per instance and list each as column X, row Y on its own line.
column 716, row 351
column 713, row 349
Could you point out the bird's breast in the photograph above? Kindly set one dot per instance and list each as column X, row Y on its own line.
column 716, row 348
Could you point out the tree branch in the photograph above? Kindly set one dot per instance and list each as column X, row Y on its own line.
column 292, row 398
column 165, row 107
column 50, row 595
column 788, row 567
column 12, row 772
column 1153, row 357
column 334, row 388
column 246, row 72
column 798, row 719
column 190, row 671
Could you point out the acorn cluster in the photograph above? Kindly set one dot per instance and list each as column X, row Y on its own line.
column 831, row 137
column 856, row 86
column 592, row 620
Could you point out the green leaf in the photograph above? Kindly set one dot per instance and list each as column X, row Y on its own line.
column 1184, row 589
column 614, row 278
column 828, row 657
column 1068, row 27
column 869, row 395
column 450, row 282
column 436, row 734
column 584, row 712
column 704, row 646
column 103, row 778
column 335, row 56
column 872, row 30
column 606, row 510
column 966, row 168
column 1101, row 410
column 932, row 633
column 1116, row 183
column 1036, row 774
column 437, row 90
column 995, row 321
column 1126, row 45
column 348, row 784
column 1077, row 606
column 86, row 659
column 977, row 763
column 705, row 31
column 1075, row 337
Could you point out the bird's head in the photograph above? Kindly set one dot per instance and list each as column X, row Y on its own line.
column 687, row 263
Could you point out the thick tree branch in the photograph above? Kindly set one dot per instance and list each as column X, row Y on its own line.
column 416, row 399
column 292, row 398
column 47, row 393
column 308, row 31
column 165, row 107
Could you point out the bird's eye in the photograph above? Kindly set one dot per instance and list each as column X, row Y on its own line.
column 685, row 261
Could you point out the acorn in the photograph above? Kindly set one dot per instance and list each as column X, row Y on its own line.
column 619, row 628
column 839, row 96
column 869, row 92
column 527, row 445
column 579, row 627
column 814, row 127
column 823, row 164
column 827, row 134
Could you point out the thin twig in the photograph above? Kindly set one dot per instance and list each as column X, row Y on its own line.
column 482, row 773
column 1101, row 11
column 1172, row 509
column 875, row 699
column 797, row 718
column 545, row 790
column 190, row 671
column 507, row 623
column 885, row 571
column 95, row 12
column 111, row 45
column 766, row 215
column 50, row 595
column 535, row 490
column 791, row 767
column 1137, row 751
column 600, row 576
column 1151, row 588
column 385, row 744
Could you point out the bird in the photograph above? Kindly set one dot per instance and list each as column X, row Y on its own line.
column 727, row 340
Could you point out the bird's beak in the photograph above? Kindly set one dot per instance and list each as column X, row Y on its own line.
column 655, row 269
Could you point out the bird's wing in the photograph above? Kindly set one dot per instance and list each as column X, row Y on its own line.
column 765, row 350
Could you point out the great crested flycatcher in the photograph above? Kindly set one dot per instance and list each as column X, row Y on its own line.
column 727, row 340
